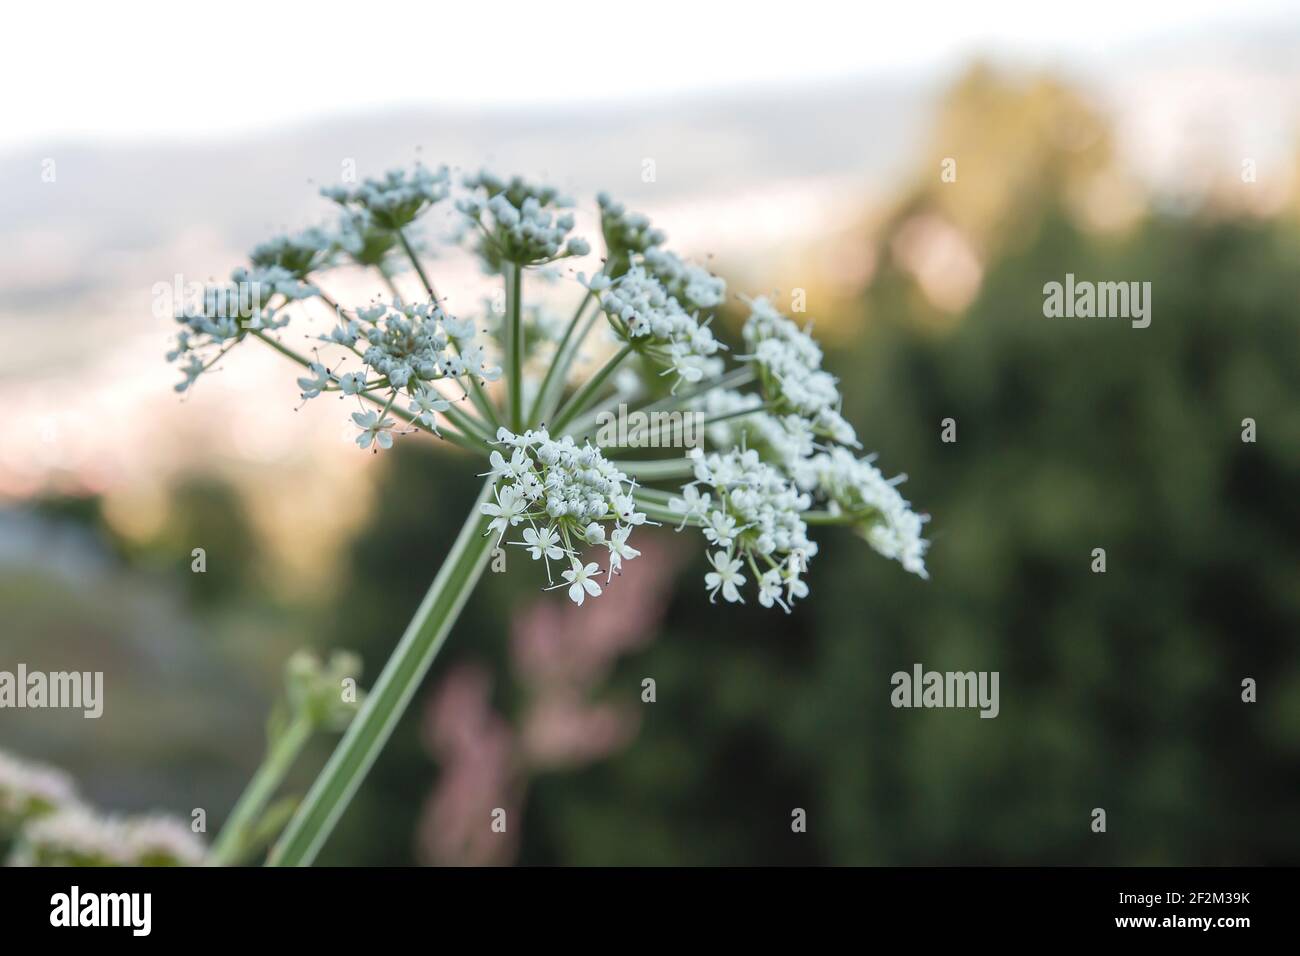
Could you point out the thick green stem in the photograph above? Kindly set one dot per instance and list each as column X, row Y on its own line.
column 233, row 839
column 514, row 278
column 333, row 790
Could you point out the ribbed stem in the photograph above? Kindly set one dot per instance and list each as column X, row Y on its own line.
column 233, row 838
column 352, row 759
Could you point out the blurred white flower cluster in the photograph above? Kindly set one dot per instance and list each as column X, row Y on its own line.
column 396, row 200
column 626, row 232
column 46, row 824
column 518, row 220
column 695, row 286
column 855, row 487
column 30, row 790
column 78, row 837
column 790, row 372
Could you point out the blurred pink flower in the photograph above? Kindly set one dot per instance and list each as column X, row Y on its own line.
column 561, row 657
column 556, row 642
column 563, row 730
column 476, row 749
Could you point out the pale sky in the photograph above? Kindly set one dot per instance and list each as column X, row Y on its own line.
column 93, row 70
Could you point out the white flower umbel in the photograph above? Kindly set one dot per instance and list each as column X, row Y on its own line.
column 78, row 837
column 30, row 790
column 777, row 457
column 790, row 373
column 565, row 495
column 653, row 323
column 362, row 239
column 692, row 285
column 299, row 254
column 407, row 347
column 739, row 419
column 398, row 199
column 518, row 221
column 855, row 489
column 158, row 840
column 626, row 232
column 227, row 312
column 752, row 514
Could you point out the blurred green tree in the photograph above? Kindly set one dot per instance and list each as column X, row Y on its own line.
column 1119, row 690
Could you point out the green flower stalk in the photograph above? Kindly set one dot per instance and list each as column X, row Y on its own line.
column 318, row 696
column 778, row 458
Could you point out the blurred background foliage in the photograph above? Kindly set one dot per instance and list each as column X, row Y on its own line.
column 1119, row 690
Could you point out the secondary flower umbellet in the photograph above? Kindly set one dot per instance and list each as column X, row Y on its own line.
column 523, row 394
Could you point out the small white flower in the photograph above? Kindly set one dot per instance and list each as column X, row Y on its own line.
column 545, row 542
column 625, row 508
column 517, row 466
column 580, row 582
column 619, row 551
column 316, row 383
column 726, row 577
column 795, row 587
column 506, row 512
column 426, row 402
column 345, row 333
column 721, row 529
column 352, row 383
column 374, row 429
column 690, row 505
column 769, row 589
column 191, row 370
column 597, row 283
